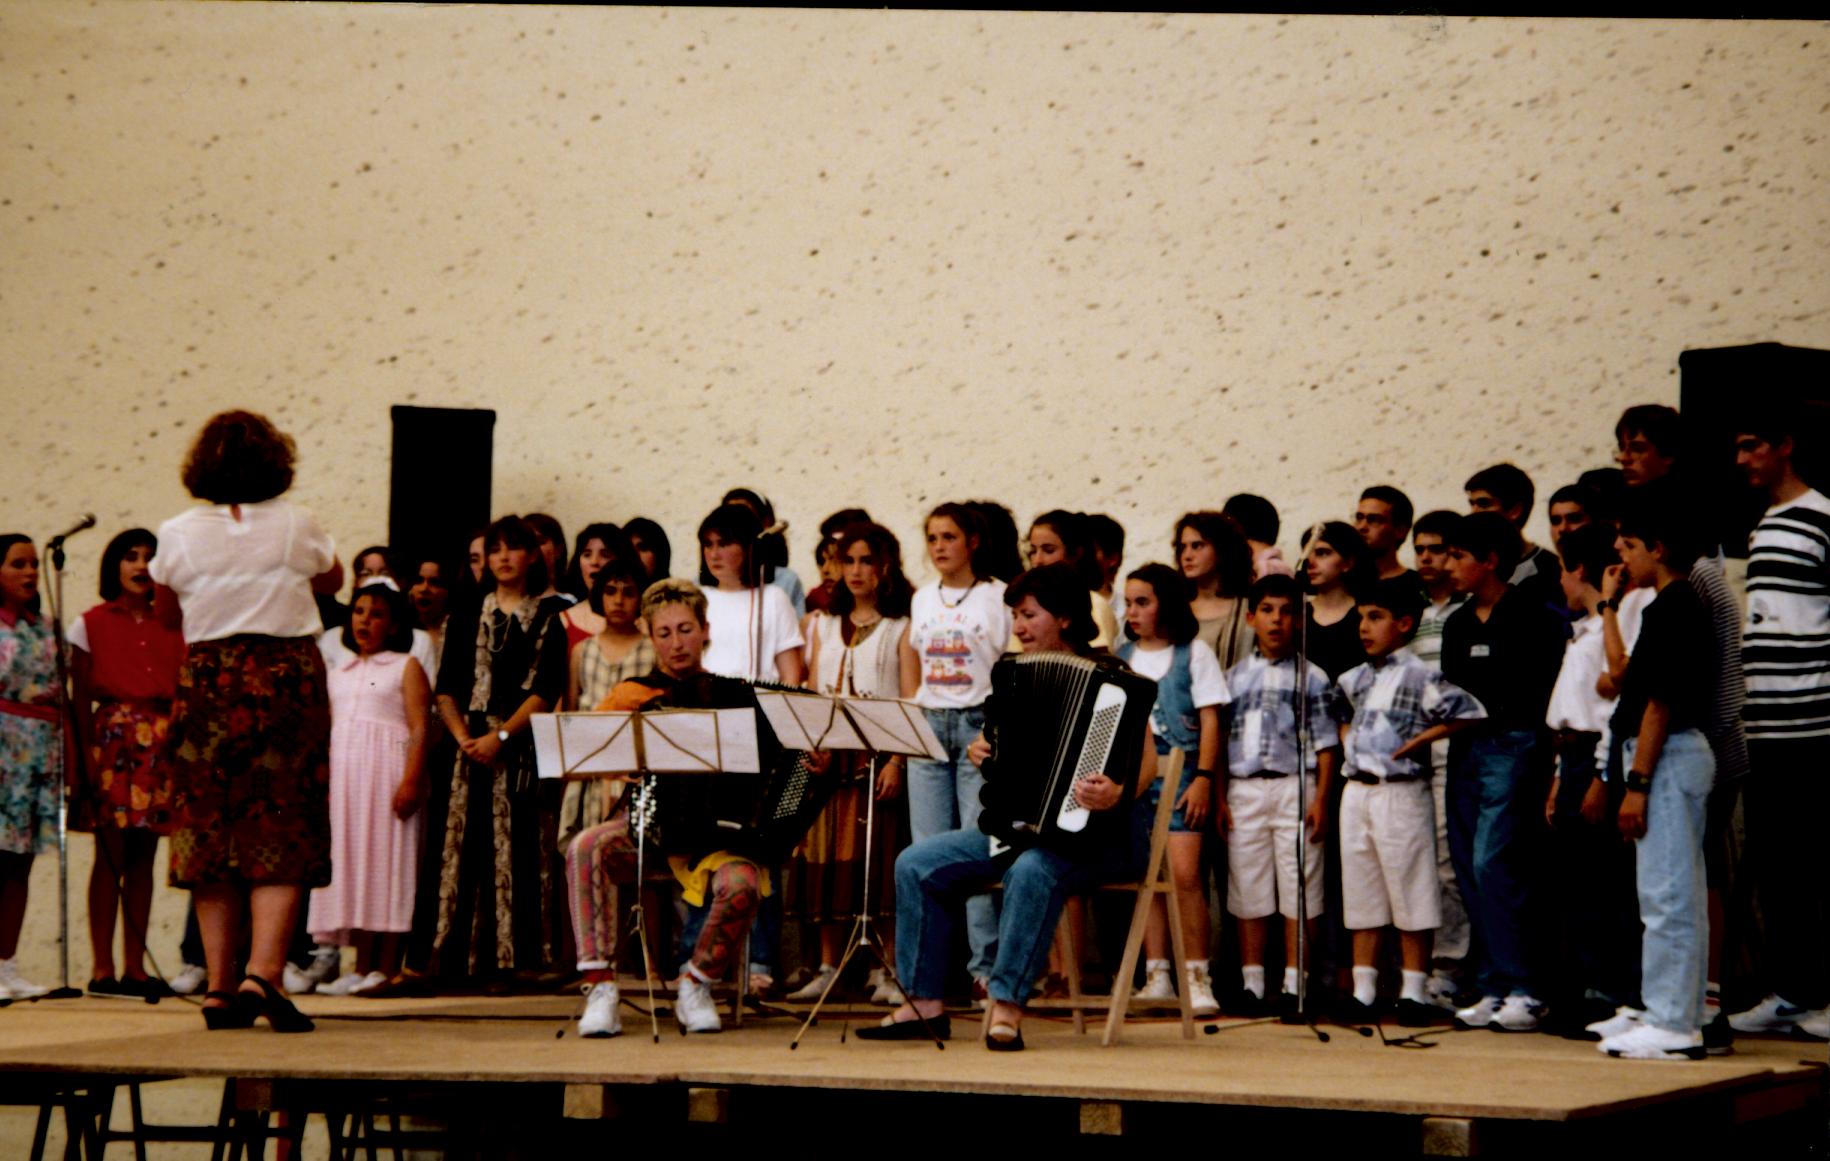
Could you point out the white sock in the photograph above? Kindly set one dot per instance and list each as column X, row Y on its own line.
column 1366, row 985
column 1252, row 976
column 1290, row 980
column 1155, row 965
column 1413, row 987
column 1712, row 995
column 1189, row 965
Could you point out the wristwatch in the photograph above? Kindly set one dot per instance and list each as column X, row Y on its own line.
column 1639, row 783
column 501, row 735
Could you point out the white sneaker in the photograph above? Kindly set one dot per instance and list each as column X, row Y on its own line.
column 884, row 990
column 1201, row 992
column 189, row 980
column 1813, row 1024
column 1520, row 1014
column 1480, row 1014
column 1644, row 1042
column 369, row 983
column 1440, row 990
column 1622, row 1021
column 602, row 1019
column 814, row 988
column 15, row 986
column 694, row 1006
column 341, row 986
column 1158, row 985
column 1769, row 1015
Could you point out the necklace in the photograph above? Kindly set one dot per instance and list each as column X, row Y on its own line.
column 941, row 591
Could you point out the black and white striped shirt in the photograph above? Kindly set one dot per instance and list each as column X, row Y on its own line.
column 1786, row 640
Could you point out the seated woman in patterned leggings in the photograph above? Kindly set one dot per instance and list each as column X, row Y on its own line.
column 700, row 853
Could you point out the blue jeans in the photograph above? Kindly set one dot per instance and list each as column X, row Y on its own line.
column 1496, row 806
column 944, row 796
column 1673, row 892
column 934, row 875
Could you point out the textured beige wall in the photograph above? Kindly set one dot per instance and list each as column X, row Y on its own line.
column 1128, row 263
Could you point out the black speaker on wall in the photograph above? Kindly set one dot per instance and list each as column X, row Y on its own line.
column 438, row 491
column 1716, row 387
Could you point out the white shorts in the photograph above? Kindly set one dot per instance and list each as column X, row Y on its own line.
column 1261, row 849
column 1388, row 857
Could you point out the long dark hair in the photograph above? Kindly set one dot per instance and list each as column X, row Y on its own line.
column 1175, row 619
column 1341, row 537
column 771, row 537
column 735, row 524
column 1232, row 553
column 653, row 538
column 615, row 542
column 999, row 557
column 893, row 589
column 112, row 556
column 515, row 532
column 547, row 528
column 1063, row 595
column 400, row 618
column 1076, row 541
column 7, row 540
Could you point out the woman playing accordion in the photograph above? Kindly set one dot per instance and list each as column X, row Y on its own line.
column 1039, row 870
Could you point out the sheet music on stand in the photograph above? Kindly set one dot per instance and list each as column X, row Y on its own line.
column 671, row 741
column 814, row 721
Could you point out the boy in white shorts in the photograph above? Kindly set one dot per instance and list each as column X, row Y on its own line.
column 1259, row 813
column 1388, row 816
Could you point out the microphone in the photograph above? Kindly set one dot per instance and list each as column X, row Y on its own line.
column 88, row 521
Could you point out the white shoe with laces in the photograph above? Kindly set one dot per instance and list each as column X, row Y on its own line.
column 884, row 990
column 369, row 983
column 1622, row 1021
column 14, row 986
column 189, row 980
column 1816, row 1024
column 342, row 986
column 694, row 1006
column 1201, row 992
column 1644, row 1042
column 1159, row 985
column 814, row 988
column 1480, row 1014
column 602, row 1019
column 1520, row 1014
column 1769, row 1015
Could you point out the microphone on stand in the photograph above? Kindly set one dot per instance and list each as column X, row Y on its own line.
column 88, row 521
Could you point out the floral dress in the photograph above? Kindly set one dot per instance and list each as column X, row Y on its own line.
column 29, row 731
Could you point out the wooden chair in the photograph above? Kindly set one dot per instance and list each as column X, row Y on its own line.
column 1158, row 881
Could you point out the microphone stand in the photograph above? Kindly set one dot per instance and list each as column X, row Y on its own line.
column 65, row 730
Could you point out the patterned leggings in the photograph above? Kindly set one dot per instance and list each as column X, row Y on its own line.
column 602, row 859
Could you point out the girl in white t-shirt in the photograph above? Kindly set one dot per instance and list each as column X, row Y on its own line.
column 756, row 635
column 958, row 627
column 1191, row 689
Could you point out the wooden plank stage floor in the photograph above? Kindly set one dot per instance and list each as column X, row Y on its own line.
column 1475, row 1091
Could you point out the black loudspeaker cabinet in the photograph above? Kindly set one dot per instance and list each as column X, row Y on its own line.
column 1715, row 385
column 438, row 491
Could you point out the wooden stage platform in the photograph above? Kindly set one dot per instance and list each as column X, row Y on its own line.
column 1474, row 1092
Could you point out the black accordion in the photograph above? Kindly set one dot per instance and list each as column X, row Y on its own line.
column 761, row 816
column 1053, row 719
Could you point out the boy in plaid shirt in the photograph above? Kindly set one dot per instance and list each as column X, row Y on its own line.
column 1259, row 799
column 1388, row 818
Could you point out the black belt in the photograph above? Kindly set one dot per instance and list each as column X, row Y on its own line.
column 1266, row 774
column 1374, row 779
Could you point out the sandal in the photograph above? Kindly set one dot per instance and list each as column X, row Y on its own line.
column 237, row 1010
column 281, row 1015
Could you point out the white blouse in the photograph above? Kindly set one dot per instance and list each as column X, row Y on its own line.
column 251, row 575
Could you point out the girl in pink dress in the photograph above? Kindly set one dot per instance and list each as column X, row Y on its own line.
column 379, row 706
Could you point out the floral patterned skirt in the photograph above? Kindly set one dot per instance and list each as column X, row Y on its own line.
column 250, row 745
column 130, row 767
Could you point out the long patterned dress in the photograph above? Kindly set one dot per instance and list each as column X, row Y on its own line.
column 29, row 732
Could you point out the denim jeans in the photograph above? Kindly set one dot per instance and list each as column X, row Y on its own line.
column 944, row 796
column 935, row 875
column 1673, row 894
column 1496, row 809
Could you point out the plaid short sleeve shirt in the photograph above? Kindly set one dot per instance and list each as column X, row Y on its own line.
column 1393, row 699
column 1261, row 736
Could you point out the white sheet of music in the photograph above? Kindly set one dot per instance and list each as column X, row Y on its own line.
column 809, row 721
column 675, row 741
column 895, row 727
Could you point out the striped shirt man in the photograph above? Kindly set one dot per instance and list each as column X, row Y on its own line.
column 1786, row 638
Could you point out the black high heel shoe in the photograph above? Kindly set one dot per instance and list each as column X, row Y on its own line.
column 238, row 1010
column 281, row 1015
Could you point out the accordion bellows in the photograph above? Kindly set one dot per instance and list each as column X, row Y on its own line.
column 1053, row 719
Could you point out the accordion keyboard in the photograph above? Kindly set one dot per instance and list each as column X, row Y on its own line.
column 1108, row 709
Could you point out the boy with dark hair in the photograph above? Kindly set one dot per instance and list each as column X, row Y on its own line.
column 1504, row 647
column 1427, row 541
column 1387, row 816
column 1571, row 507
column 1383, row 520
column 1508, row 491
column 1258, row 520
column 1670, row 772
column 1648, row 439
column 1263, row 767
column 1787, row 654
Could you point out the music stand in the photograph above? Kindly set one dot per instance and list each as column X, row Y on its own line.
column 673, row 741
column 878, row 727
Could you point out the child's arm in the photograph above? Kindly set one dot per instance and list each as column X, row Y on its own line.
column 572, row 664
column 910, row 663
column 1327, row 764
column 1654, row 728
column 1434, row 734
column 1198, row 796
column 82, row 713
column 813, row 654
column 1614, row 643
column 416, row 691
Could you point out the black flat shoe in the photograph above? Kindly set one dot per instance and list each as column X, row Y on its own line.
column 1011, row 1044
column 940, row 1025
column 238, row 1010
column 281, row 1015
